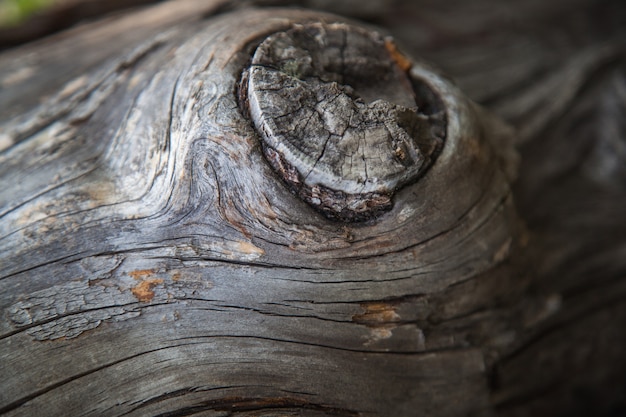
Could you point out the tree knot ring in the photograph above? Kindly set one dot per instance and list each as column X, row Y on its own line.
column 340, row 118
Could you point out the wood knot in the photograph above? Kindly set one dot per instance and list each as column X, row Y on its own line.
column 340, row 118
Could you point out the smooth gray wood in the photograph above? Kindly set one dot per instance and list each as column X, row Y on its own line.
column 153, row 263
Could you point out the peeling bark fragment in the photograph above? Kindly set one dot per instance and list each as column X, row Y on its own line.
column 339, row 119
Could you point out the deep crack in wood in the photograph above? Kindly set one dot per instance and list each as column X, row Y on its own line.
column 338, row 116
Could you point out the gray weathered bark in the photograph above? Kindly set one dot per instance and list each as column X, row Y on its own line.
column 153, row 262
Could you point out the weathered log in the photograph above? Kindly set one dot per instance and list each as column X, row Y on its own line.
column 156, row 259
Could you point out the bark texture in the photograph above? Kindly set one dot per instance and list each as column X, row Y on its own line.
column 153, row 262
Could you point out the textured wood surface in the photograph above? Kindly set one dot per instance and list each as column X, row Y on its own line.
column 336, row 108
column 153, row 263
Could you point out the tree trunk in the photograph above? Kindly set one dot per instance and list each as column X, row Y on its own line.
column 181, row 233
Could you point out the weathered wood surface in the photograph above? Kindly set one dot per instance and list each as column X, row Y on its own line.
column 153, row 263
column 60, row 15
column 343, row 117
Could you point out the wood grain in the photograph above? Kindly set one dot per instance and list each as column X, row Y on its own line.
column 153, row 263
